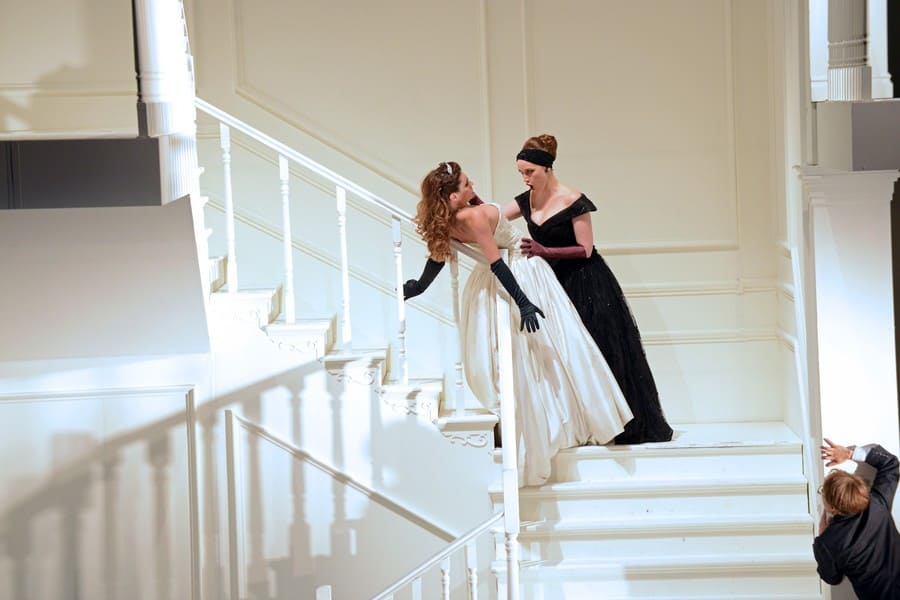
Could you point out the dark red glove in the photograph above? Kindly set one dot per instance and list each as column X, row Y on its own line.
column 531, row 248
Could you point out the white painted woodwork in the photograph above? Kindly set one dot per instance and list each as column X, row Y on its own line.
column 849, row 73
column 67, row 70
column 346, row 332
column 231, row 264
column 849, row 231
column 397, row 239
column 284, row 177
column 459, row 393
column 509, row 435
column 166, row 82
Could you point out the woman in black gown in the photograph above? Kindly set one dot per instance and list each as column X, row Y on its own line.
column 560, row 226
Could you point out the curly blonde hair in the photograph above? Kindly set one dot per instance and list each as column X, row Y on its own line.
column 434, row 217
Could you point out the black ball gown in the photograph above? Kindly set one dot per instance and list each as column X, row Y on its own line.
column 600, row 303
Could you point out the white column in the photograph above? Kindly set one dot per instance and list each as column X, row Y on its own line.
column 850, row 246
column 878, row 56
column 849, row 74
column 818, row 49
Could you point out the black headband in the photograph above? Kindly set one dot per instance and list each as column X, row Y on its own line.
column 536, row 156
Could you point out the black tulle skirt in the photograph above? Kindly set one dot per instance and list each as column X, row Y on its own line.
column 600, row 303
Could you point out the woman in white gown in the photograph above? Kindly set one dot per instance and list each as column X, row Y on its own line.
column 565, row 393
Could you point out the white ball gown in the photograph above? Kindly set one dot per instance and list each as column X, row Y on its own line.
column 565, row 393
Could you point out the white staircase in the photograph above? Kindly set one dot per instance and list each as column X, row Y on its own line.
column 719, row 512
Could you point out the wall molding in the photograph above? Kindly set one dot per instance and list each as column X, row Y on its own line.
column 711, row 336
column 68, row 394
column 70, row 89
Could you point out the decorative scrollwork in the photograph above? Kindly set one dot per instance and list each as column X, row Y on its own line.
column 475, row 439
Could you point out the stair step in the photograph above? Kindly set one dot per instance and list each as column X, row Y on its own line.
column 703, row 576
column 420, row 397
column 363, row 366
column 304, row 335
column 692, row 496
column 217, row 271
column 260, row 306
column 475, row 427
column 636, row 536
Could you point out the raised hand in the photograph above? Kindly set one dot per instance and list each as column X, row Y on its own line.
column 835, row 454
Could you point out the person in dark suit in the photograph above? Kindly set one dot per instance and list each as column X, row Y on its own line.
column 857, row 535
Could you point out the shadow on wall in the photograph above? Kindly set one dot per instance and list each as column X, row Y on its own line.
column 109, row 516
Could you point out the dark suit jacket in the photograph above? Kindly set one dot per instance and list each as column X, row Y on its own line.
column 866, row 547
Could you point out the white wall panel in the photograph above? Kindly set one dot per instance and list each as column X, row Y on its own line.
column 67, row 70
column 664, row 113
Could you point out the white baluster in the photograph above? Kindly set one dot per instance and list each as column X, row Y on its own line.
column 285, row 176
column 508, row 435
column 111, row 529
column 231, row 265
column 257, row 570
column 346, row 334
column 472, row 570
column 445, row 579
column 159, row 455
column 396, row 234
column 323, row 592
column 211, row 569
column 460, row 397
column 417, row 589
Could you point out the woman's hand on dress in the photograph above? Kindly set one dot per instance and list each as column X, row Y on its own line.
column 531, row 248
column 528, row 314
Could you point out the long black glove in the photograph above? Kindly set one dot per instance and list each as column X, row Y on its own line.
column 527, row 311
column 414, row 287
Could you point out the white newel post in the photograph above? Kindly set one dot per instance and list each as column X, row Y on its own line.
column 850, row 246
column 287, row 240
column 346, row 333
column 510, row 441
column 459, row 396
column 397, row 237
column 849, row 74
column 231, row 263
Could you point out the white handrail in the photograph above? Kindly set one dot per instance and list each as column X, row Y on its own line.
column 318, row 169
column 392, row 505
column 439, row 556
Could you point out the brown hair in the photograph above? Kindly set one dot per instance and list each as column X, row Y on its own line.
column 434, row 218
column 845, row 493
column 545, row 142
